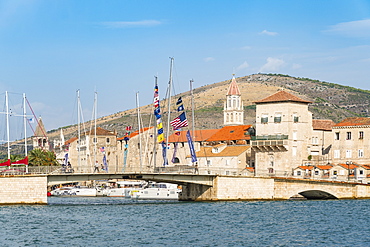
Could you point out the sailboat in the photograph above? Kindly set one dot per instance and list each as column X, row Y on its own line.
column 8, row 163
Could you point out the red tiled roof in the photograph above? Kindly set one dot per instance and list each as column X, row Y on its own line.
column 100, row 132
column 354, row 121
column 230, row 133
column 135, row 133
column 282, row 96
column 324, row 167
column 306, row 167
column 226, row 152
column 350, row 166
column 367, row 167
column 70, row 140
column 233, row 88
column 199, row 135
column 322, row 124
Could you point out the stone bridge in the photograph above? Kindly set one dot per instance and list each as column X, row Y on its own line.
column 32, row 189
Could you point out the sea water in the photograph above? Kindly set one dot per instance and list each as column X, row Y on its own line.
column 105, row 221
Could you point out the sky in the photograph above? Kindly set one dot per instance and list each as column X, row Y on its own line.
column 49, row 49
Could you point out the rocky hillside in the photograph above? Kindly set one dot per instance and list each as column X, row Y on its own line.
column 330, row 101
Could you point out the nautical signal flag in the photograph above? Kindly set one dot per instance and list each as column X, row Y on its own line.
column 180, row 108
column 179, row 122
column 179, row 101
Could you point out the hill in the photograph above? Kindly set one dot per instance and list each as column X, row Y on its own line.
column 330, row 101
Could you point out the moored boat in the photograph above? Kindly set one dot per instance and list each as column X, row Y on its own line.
column 159, row 191
column 74, row 191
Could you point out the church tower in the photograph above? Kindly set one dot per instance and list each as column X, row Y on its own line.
column 233, row 108
column 40, row 140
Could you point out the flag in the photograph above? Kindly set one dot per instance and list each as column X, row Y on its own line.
column 128, row 128
column 179, row 122
column 6, row 163
column 157, row 114
column 191, row 147
column 180, row 108
column 105, row 163
column 174, row 153
column 31, row 120
column 179, row 101
column 22, row 161
column 164, row 153
column 66, row 159
column 102, row 149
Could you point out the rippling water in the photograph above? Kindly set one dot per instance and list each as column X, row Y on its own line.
column 102, row 221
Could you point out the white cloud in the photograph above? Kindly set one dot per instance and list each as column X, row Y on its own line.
column 242, row 66
column 128, row 24
column 273, row 64
column 265, row 32
column 353, row 28
column 209, row 59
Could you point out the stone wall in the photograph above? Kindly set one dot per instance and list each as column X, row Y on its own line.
column 23, row 190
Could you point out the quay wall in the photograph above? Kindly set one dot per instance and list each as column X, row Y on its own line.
column 259, row 188
column 23, row 190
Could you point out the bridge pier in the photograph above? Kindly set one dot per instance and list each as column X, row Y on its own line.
column 23, row 190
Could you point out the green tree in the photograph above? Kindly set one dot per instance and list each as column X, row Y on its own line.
column 42, row 158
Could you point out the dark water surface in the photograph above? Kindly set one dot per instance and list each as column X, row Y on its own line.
column 102, row 221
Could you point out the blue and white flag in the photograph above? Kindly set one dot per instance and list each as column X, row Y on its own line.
column 105, row 163
column 66, row 159
column 191, row 147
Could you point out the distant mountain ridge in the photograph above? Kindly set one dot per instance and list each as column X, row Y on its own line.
column 330, row 101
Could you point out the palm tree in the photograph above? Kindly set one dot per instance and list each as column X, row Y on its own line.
column 36, row 157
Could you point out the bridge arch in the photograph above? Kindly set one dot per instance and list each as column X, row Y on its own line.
column 317, row 195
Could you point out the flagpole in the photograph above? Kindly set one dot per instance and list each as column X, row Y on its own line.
column 7, row 122
column 155, row 135
column 169, row 108
column 79, row 130
column 25, row 128
column 138, row 119
column 192, row 112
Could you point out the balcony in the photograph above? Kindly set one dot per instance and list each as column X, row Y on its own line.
column 269, row 143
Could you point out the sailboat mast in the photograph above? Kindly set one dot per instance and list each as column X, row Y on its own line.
column 155, row 136
column 25, row 124
column 139, row 124
column 192, row 109
column 95, row 116
column 169, row 106
column 79, row 129
column 7, row 122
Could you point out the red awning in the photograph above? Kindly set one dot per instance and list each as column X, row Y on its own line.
column 6, row 163
column 21, row 162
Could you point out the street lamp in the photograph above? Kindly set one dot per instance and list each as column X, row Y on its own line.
column 348, row 163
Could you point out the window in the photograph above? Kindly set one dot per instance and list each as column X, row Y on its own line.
column 349, row 135
column 294, row 151
column 361, row 135
column 360, row 153
column 361, row 172
column 209, row 162
column 336, row 154
column 317, row 172
column 95, row 140
column 277, row 118
column 108, row 140
column 295, row 118
column 348, row 153
column 298, row 173
column 271, row 170
column 336, row 136
column 335, row 173
column 264, row 118
column 294, row 135
column 315, row 140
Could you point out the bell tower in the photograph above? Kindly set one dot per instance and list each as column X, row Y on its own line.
column 233, row 107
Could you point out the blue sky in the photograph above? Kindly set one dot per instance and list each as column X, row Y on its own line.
column 50, row 49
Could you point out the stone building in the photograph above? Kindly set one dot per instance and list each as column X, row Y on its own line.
column 233, row 107
column 351, row 140
column 40, row 139
column 93, row 146
column 286, row 136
